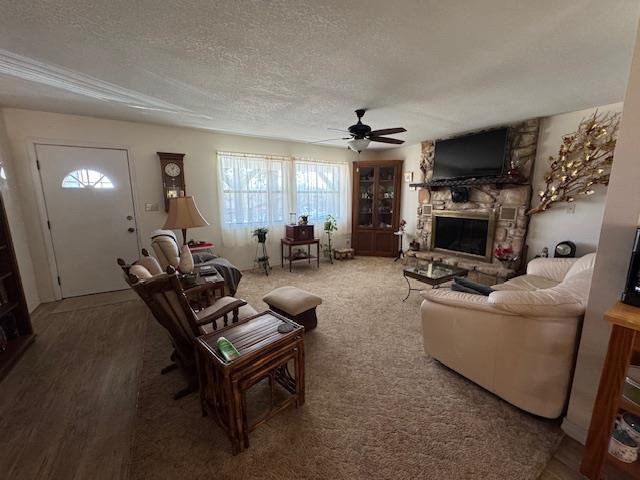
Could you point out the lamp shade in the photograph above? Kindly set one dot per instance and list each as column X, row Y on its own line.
column 358, row 144
column 183, row 213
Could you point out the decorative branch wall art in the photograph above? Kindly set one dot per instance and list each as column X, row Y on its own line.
column 584, row 160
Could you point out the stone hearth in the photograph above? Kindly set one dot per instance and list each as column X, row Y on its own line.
column 507, row 202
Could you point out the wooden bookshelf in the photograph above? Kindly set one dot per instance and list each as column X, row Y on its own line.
column 14, row 314
column 623, row 350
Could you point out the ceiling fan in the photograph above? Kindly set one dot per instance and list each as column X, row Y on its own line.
column 361, row 135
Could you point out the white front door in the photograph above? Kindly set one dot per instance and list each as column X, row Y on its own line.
column 89, row 205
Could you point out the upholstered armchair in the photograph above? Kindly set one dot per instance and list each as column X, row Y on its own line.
column 170, row 253
column 520, row 341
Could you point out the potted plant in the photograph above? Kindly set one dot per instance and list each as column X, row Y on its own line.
column 261, row 234
column 330, row 226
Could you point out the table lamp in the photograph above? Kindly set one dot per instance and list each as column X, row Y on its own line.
column 183, row 214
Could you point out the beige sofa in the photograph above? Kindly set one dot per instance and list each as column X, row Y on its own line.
column 520, row 341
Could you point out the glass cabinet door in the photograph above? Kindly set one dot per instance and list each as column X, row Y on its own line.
column 385, row 196
column 366, row 179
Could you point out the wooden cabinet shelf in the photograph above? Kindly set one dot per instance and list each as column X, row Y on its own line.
column 15, row 348
column 629, row 406
column 624, row 341
column 631, row 469
column 14, row 314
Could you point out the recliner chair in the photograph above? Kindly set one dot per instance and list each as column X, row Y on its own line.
column 169, row 252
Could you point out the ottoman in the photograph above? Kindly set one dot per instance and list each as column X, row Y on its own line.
column 296, row 304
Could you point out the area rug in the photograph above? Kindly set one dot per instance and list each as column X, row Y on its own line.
column 377, row 407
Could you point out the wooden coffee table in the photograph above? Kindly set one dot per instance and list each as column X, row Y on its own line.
column 264, row 354
column 434, row 274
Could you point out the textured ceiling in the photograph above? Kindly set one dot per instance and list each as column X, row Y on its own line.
column 291, row 68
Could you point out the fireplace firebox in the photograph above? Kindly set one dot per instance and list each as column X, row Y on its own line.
column 463, row 233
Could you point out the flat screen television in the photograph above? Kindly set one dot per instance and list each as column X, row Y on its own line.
column 471, row 156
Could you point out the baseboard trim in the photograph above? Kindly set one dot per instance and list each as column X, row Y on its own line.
column 574, row 431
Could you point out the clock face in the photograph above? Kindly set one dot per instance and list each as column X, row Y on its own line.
column 172, row 169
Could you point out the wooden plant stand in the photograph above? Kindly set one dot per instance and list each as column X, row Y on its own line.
column 343, row 253
column 624, row 349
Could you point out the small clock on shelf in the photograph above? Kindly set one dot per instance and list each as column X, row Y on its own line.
column 172, row 165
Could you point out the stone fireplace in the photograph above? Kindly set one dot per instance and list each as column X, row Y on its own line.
column 463, row 233
column 497, row 209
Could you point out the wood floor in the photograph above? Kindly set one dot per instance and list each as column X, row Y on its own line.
column 67, row 409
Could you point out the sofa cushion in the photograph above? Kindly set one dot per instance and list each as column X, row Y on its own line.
column 151, row 264
column 584, row 263
column 529, row 283
column 551, row 302
column 552, row 268
column 186, row 260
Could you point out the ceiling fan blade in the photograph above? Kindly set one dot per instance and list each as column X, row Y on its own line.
column 387, row 131
column 386, row 140
column 330, row 140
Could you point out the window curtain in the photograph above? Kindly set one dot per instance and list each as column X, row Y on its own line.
column 324, row 188
column 260, row 191
column 253, row 192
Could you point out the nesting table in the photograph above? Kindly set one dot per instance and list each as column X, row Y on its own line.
column 265, row 353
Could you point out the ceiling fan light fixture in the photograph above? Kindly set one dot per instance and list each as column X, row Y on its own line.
column 358, row 144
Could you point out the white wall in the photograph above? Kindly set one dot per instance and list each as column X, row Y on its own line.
column 547, row 229
column 616, row 240
column 21, row 241
column 143, row 141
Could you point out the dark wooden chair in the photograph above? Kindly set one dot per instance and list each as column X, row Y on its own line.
column 166, row 299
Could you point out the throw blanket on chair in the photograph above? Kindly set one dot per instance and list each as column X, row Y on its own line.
column 224, row 267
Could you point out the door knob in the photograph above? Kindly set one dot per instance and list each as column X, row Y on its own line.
column 131, row 229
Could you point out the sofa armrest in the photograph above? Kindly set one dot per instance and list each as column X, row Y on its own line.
column 465, row 300
column 541, row 303
column 553, row 268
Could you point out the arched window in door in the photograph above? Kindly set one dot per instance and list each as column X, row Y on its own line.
column 85, row 178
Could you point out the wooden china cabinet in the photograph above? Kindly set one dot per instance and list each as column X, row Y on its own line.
column 376, row 207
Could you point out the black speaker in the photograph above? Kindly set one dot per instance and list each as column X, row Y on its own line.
column 631, row 295
column 459, row 194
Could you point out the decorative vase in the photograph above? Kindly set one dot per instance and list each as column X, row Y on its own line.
column 623, row 447
column 262, row 237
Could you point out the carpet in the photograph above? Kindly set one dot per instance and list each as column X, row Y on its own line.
column 377, row 407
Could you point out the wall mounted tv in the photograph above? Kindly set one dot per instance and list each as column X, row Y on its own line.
column 471, row 156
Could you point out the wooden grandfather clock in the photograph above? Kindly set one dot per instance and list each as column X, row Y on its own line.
column 172, row 165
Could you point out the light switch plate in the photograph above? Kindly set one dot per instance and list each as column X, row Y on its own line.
column 151, row 207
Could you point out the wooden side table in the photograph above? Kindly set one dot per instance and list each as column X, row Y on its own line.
column 264, row 354
column 624, row 347
column 296, row 243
